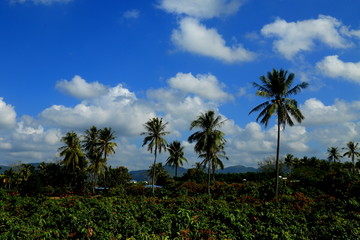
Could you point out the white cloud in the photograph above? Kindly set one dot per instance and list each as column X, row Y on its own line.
column 317, row 113
column 206, row 86
column 294, row 37
column 178, row 108
column 201, row 8
column 79, row 88
column 332, row 66
column 337, row 135
column 194, row 37
column 8, row 115
column 131, row 14
column 44, row 2
column 117, row 107
column 253, row 143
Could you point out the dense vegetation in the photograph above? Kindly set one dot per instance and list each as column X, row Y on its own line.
column 318, row 200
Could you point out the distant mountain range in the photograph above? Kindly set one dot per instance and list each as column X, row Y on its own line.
column 3, row 168
column 142, row 175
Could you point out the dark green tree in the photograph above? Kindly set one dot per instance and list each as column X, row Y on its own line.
column 161, row 175
column 176, row 157
column 154, row 138
column 74, row 159
column 116, row 176
column 209, row 139
column 277, row 88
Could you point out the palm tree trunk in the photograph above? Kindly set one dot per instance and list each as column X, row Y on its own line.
column 176, row 171
column 209, row 179
column 154, row 170
column 277, row 161
column 353, row 162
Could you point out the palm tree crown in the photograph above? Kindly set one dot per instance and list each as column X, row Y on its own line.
column 155, row 132
column 333, row 154
column 176, row 157
column 352, row 152
column 277, row 88
column 73, row 156
column 106, row 143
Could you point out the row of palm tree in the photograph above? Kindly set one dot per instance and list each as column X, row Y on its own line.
column 352, row 151
column 276, row 87
column 209, row 141
column 209, row 144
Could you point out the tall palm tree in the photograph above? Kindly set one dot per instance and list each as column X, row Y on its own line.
column 209, row 140
column 277, row 87
column 333, row 154
column 352, row 152
column 176, row 157
column 155, row 132
column 106, row 147
column 74, row 158
column 91, row 146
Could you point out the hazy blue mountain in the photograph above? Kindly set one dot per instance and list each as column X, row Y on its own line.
column 142, row 175
column 237, row 169
column 15, row 168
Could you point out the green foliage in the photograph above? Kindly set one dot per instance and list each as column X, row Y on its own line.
column 294, row 216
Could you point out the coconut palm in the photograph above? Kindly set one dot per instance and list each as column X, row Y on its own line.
column 106, row 144
column 352, row 152
column 215, row 159
column 333, row 154
column 74, row 158
column 176, row 157
column 91, row 146
column 25, row 172
column 155, row 132
column 209, row 140
column 277, row 87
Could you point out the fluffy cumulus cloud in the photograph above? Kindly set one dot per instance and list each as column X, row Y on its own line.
column 194, row 37
column 44, row 2
column 332, row 66
column 317, row 113
column 293, row 37
column 21, row 144
column 117, row 107
column 178, row 108
column 201, row 8
column 252, row 144
column 8, row 115
column 80, row 88
column 206, row 86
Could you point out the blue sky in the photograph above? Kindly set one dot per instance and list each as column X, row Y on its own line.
column 66, row 65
